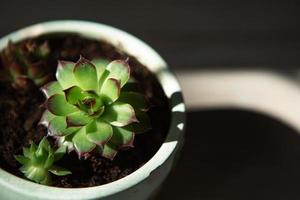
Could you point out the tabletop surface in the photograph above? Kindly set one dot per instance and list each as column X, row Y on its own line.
column 248, row 155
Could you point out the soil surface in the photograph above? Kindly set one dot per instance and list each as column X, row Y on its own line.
column 20, row 112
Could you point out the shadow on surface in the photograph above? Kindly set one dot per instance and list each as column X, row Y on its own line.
column 232, row 154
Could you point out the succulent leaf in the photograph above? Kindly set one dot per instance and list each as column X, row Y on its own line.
column 58, row 105
column 58, row 127
column 37, row 162
column 66, row 141
column 119, row 69
column 64, row 74
column 102, row 79
column 74, row 94
column 100, row 65
column 109, row 151
column 119, row 114
column 15, row 70
column 22, row 160
column 44, row 144
column 110, row 90
column 27, row 152
column 78, row 118
column 22, row 82
column 81, row 143
column 33, row 148
column 37, row 174
column 52, row 88
column 59, row 153
column 26, row 60
column 59, row 171
column 122, row 137
column 49, row 161
column 33, row 70
column 42, row 51
column 86, row 74
column 99, row 132
column 86, row 107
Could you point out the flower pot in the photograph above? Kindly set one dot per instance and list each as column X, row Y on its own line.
column 144, row 182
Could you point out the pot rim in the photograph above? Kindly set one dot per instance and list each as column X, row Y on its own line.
column 144, row 54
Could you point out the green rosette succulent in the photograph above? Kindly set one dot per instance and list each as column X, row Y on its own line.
column 89, row 107
column 24, row 64
column 38, row 162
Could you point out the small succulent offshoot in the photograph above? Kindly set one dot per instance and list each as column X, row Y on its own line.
column 24, row 64
column 38, row 162
column 89, row 107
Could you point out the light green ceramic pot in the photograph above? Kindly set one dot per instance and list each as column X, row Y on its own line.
column 142, row 183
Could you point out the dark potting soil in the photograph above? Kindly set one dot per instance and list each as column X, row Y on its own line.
column 20, row 113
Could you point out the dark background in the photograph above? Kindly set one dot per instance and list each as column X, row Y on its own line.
column 236, row 155
column 229, row 154
column 187, row 33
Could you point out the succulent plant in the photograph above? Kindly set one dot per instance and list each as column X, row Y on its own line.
column 38, row 162
column 89, row 107
column 24, row 64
